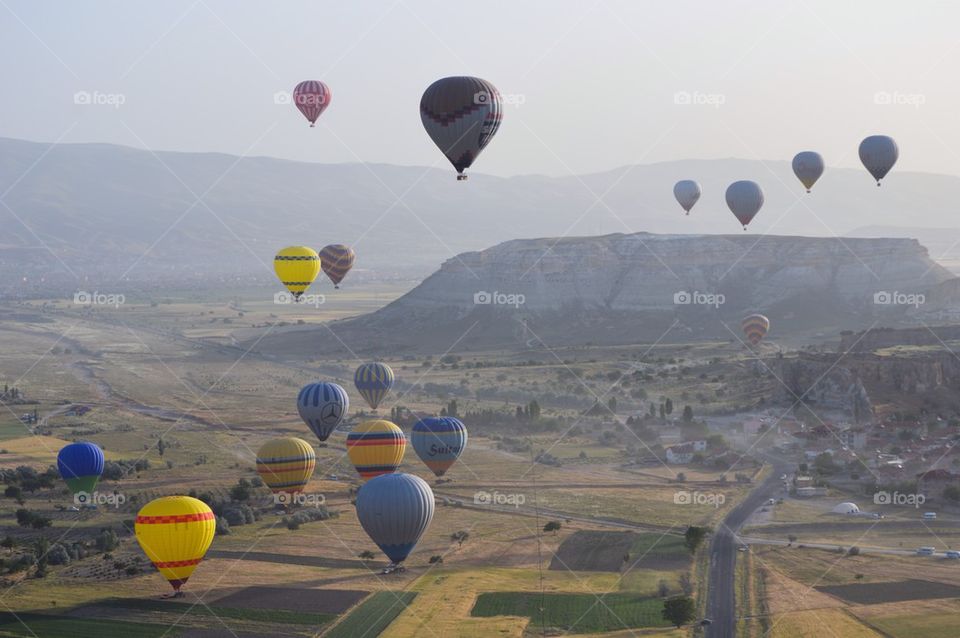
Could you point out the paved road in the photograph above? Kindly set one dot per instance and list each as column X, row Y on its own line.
column 721, row 602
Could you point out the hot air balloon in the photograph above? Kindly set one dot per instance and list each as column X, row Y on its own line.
column 687, row 193
column 81, row 465
column 808, row 167
column 297, row 267
column 336, row 261
column 755, row 327
column 439, row 442
column 286, row 465
column 744, row 199
column 322, row 407
column 175, row 533
column 461, row 115
column 376, row 447
column 312, row 97
column 395, row 510
column 373, row 381
column 879, row 153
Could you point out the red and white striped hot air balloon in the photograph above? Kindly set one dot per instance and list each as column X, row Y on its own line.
column 311, row 97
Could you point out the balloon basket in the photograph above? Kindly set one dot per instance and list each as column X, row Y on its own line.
column 461, row 178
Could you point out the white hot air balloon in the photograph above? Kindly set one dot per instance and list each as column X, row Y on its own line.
column 687, row 193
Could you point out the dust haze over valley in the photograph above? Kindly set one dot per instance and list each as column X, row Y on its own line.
column 543, row 401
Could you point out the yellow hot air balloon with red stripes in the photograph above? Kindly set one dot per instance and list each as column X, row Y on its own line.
column 286, row 465
column 175, row 532
column 376, row 447
column 755, row 328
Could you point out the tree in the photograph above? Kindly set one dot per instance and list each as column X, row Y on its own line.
column 552, row 526
column 460, row 537
column 679, row 610
column 161, row 446
column 612, row 404
column 687, row 414
column 792, row 538
column 668, row 407
column 367, row 555
column 951, row 492
column 693, row 537
column 663, row 588
column 240, row 491
column 41, row 547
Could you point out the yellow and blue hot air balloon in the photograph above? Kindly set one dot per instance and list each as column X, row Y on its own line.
column 439, row 442
column 286, row 465
column 376, row 447
column 395, row 510
column 175, row 532
column 373, row 381
column 297, row 267
column 81, row 465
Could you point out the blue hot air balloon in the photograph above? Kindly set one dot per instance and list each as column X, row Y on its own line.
column 323, row 406
column 80, row 465
column 373, row 381
column 395, row 510
column 439, row 442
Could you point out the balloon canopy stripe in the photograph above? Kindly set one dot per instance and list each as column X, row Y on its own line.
column 178, row 563
column 176, row 518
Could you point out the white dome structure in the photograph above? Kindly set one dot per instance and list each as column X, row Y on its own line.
column 846, row 508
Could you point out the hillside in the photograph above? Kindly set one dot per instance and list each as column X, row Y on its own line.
column 619, row 289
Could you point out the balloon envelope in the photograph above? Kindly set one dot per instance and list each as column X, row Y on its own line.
column 311, row 97
column 175, row 533
column 755, row 328
column 808, row 167
column 439, row 442
column 297, row 267
column 373, row 381
column 286, row 465
column 336, row 260
column 744, row 199
column 879, row 153
column 80, row 466
column 323, row 406
column 461, row 115
column 687, row 193
column 376, row 447
column 395, row 510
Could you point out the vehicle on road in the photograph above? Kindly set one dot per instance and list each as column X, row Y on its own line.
column 743, row 548
column 771, row 501
column 926, row 551
column 953, row 554
column 783, row 477
column 929, row 516
column 705, row 622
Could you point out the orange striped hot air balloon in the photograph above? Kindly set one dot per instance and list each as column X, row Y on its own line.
column 336, row 260
column 175, row 533
column 286, row 465
column 376, row 447
column 755, row 327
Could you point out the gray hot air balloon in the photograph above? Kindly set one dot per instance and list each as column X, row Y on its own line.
column 395, row 510
column 808, row 167
column 879, row 153
column 744, row 199
column 687, row 193
column 461, row 115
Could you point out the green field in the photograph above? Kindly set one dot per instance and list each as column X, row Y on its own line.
column 373, row 615
column 281, row 616
column 651, row 545
column 576, row 613
column 43, row 626
column 926, row 625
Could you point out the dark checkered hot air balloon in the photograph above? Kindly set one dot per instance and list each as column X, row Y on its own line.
column 336, row 260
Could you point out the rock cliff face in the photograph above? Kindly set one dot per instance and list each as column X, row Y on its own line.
column 633, row 288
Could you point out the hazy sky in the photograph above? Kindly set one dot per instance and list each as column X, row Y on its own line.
column 594, row 84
